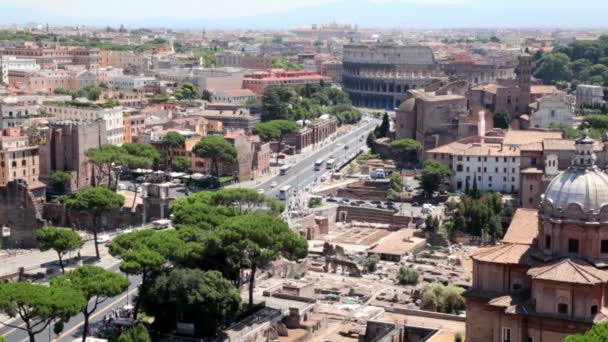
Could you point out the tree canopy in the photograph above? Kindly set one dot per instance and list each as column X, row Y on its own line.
column 181, row 164
column 433, row 175
column 61, row 181
column 61, row 240
column 203, row 298
column 597, row 333
column 254, row 240
column 218, row 149
column 406, row 149
column 97, row 202
column 95, row 284
column 38, row 305
column 187, row 91
column 173, row 139
column 502, row 119
column 275, row 130
column 306, row 103
column 383, row 129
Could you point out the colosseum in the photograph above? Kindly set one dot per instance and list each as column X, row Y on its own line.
column 379, row 75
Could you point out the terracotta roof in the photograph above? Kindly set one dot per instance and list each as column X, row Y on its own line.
column 519, row 137
column 566, row 145
column 544, row 89
column 524, row 227
column 572, row 271
column 450, row 148
column 489, row 88
column 535, row 146
column 511, row 253
column 233, row 135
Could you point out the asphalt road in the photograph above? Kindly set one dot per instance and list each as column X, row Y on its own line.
column 303, row 173
column 73, row 328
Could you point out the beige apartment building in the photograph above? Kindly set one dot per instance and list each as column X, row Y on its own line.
column 18, row 158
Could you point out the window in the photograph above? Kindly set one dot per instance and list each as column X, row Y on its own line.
column 459, row 185
column 552, row 113
column 458, row 167
column 562, row 308
column 573, row 246
column 506, row 334
column 531, row 187
column 593, row 310
column 516, row 286
column 604, row 247
column 490, row 178
column 547, row 241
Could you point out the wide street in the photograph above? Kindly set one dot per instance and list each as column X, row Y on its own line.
column 342, row 149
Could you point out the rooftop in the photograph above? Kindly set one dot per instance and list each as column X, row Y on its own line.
column 524, row 227
column 519, row 137
column 574, row 271
column 511, row 253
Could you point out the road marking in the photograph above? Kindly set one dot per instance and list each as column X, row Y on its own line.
column 95, row 315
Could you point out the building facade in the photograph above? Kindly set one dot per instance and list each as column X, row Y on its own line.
column 547, row 279
column 19, row 159
column 8, row 63
column 552, row 110
column 260, row 80
column 589, row 95
column 51, row 55
column 379, row 75
column 112, row 117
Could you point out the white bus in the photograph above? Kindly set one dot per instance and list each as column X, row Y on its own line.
column 284, row 192
column 284, row 169
column 319, row 164
column 330, row 164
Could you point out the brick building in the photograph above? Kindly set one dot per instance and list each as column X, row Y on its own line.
column 547, row 279
column 311, row 134
column 65, row 147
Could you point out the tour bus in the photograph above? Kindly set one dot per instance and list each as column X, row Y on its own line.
column 330, row 164
column 284, row 192
column 284, row 169
column 319, row 164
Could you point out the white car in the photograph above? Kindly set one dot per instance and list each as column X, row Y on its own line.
column 273, row 184
column 260, row 191
column 103, row 238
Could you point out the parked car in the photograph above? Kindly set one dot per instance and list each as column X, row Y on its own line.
column 273, row 184
column 331, row 199
column 260, row 191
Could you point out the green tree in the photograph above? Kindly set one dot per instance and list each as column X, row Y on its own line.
column 396, row 182
column 254, row 240
column 282, row 63
column 61, row 181
column 96, row 284
column 204, row 299
column 218, row 149
column 145, row 253
column 371, row 138
column 406, row 149
column 277, row 103
column 275, row 130
column 383, row 130
column 554, row 67
column 371, row 263
column 181, row 164
column 502, row 119
column 597, row 333
column 97, row 202
column 61, row 240
column 442, row 298
column 407, row 276
column 143, row 151
column 138, row 333
column 38, row 305
column 172, row 140
column 187, row 91
column 433, row 175
column 105, row 159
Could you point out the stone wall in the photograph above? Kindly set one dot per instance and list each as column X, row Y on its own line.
column 351, row 213
column 20, row 211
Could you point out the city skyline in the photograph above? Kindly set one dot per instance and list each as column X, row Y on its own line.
column 188, row 14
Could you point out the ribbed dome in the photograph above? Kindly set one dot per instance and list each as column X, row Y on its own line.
column 586, row 187
column 580, row 191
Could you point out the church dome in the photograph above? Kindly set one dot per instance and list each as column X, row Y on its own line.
column 580, row 192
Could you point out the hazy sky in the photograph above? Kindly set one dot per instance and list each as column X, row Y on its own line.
column 290, row 13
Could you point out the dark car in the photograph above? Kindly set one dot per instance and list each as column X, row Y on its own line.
column 376, row 202
column 331, row 199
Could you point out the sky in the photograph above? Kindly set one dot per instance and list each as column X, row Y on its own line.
column 198, row 14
